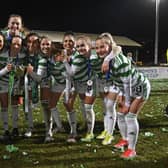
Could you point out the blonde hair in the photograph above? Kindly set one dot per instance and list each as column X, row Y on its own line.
column 109, row 36
column 108, row 39
column 86, row 39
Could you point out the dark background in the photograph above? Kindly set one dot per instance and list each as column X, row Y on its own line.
column 134, row 19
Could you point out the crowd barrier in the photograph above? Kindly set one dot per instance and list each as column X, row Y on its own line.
column 154, row 72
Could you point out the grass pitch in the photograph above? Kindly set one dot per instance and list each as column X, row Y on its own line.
column 152, row 146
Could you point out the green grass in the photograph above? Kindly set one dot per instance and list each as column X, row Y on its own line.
column 152, row 150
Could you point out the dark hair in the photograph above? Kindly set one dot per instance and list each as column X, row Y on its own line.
column 56, row 48
column 4, row 39
column 2, row 35
column 67, row 33
column 44, row 37
column 29, row 35
column 56, row 51
column 15, row 15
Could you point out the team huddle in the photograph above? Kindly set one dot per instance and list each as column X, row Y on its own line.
column 31, row 64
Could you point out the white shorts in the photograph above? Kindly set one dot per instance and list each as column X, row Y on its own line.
column 80, row 87
column 45, row 83
column 140, row 91
column 113, row 89
column 3, row 89
column 58, row 88
column 101, row 85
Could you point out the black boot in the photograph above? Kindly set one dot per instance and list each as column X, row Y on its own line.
column 15, row 132
column 166, row 111
column 6, row 138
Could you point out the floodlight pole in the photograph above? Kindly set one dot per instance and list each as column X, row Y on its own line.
column 156, row 32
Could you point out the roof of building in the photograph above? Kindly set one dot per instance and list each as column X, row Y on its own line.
column 57, row 36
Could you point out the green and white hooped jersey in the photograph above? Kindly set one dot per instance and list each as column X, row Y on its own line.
column 4, row 80
column 57, row 71
column 33, row 60
column 48, row 68
column 19, row 60
column 96, row 64
column 42, row 71
column 123, row 72
column 8, row 37
column 79, row 65
column 16, row 61
column 124, row 75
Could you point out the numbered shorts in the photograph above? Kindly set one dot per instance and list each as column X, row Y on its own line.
column 91, row 90
column 142, row 91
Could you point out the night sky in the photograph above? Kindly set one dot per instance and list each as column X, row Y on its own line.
column 132, row 18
